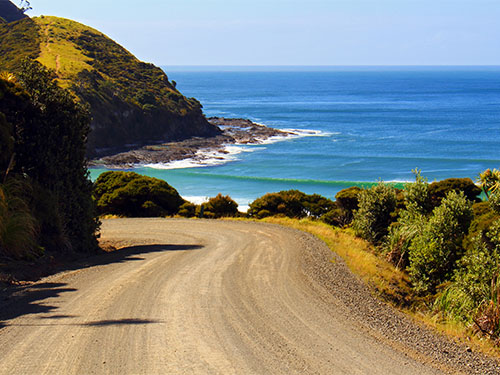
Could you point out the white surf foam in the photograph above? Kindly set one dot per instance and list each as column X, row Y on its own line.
column 205, row 158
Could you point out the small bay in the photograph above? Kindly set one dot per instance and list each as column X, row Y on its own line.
column 369, row 124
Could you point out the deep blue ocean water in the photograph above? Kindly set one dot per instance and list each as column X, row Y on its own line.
column 371, row 124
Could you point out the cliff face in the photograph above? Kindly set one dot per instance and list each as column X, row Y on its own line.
column 132, row 103
column 9, row 12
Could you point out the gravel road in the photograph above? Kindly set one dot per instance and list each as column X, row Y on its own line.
column 215, row 297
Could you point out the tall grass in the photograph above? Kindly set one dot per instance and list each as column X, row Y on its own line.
column 18, row 227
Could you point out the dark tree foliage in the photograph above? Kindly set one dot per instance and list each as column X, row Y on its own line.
column 348, row 199
column 290, row 203
column 133, row 195
column 220, row 206
column 439, row 189
column 6, row 145
column 346, row 202
column 50, row 135
column 187, row 209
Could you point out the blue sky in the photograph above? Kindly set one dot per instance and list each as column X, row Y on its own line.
column 293, row 32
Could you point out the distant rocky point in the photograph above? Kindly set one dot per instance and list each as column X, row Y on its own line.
column 233, row 132
column 132, row 103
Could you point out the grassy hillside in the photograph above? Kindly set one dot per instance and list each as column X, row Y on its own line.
column 18, row 40
column 132, row 102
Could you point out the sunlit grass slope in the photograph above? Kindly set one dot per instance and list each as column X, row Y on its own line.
column 132, row 102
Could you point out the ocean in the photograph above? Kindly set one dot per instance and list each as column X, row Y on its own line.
column 356, row 126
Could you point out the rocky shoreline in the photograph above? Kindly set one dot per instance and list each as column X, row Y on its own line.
column 197, row 149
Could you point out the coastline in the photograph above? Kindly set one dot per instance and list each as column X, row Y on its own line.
column 196, row 150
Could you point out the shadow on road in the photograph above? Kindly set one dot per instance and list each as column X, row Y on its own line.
column 23, row 300
column 98, row 323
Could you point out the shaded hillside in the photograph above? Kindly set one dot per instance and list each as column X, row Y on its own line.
column 132, row 102
column 9, row 12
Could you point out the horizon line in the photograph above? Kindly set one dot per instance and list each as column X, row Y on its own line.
column 336, row 66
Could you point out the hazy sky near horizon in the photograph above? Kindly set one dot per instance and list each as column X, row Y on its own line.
column 295, row 32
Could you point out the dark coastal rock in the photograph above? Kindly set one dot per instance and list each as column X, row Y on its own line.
column 233, row 132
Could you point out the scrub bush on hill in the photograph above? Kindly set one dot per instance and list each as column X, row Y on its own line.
column 374, row 215
column 130, row 194
column 187, row 209
column 434, row 251
column 439, row 189
column 346, row 202
column 417, row 204
column 473, row 295
column 219, row 206
column 290, row 203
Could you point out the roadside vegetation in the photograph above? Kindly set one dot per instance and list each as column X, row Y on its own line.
column 46, row 207
column 431, row 248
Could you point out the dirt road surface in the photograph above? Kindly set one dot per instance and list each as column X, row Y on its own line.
column 195, row 297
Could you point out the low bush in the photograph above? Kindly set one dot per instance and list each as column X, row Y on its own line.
column 290, row 203
column 438, row 190
column 435, row 249
column 372, row 219
column 18, row 227
column 130, row 194
column 219, row 206
column 411, row 218
column 475, row 283
column 187, row 209
column 346, row 202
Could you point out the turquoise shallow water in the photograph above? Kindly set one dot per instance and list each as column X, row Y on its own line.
column 371, row 124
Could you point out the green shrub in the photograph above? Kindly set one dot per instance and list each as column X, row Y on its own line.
column 472, row 282
column 494, row 202
column 484, row 217
column 187, row 209
column 401, row 234
column 438, row 190
column 372, row 219
column 290, row 203
column 130, row 194
column 316, row 205
column 342, row 213
column 417, row 196
column 434, row 251
column 411, row 219
column 18, row 227
column 348, row 199
column 284, row 203
column 337, row 217
column 220, row 206
column 6, row 144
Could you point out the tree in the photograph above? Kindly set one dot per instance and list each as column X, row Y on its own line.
column 50, row 132
column 372, row 219
column 130, row 194
column 438, row 245
column 220, row 206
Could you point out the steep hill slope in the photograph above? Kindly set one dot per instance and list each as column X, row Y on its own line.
column 132, row 102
